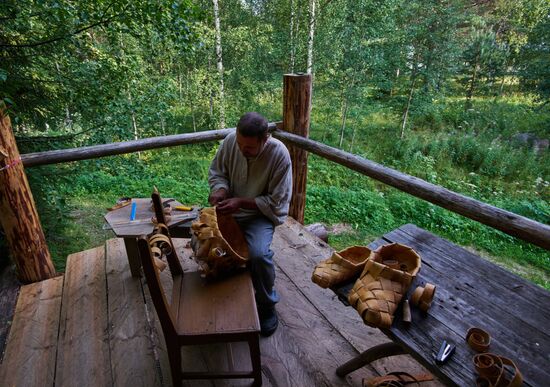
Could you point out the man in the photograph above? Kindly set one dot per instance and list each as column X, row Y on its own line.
column 251, row 178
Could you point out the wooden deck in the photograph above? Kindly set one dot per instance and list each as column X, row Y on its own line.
column 95, row 326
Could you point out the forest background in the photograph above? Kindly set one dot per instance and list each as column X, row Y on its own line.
column 454, row 92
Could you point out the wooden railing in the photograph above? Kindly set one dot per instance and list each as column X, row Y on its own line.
column 506, row 221
column 296, row 110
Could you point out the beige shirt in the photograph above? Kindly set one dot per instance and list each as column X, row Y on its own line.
column 267, row 177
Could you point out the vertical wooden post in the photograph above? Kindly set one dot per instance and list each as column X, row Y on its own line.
column 19, row 216
column 296, row 113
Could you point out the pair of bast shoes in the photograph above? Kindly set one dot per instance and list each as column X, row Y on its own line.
column 385, row 276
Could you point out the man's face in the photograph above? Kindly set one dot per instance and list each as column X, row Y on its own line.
column 250, row 146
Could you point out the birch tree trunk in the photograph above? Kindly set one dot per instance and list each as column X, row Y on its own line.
column 472, row 86
column 134, row 123
column 292, row 48
column 408, row 106
column 312, row 4
column 344, row 116
column 219, row 61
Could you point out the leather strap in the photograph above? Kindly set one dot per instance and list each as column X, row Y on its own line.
column 495, row 371
column 478, row 339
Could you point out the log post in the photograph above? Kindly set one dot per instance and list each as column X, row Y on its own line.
column 296, row 114
column 19, row 216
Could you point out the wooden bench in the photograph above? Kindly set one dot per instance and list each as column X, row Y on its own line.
column 471, row 292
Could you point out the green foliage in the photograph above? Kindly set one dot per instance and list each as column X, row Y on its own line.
column 84, row 73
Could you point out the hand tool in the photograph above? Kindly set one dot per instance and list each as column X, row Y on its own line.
column 445, row 352
column 133, row 213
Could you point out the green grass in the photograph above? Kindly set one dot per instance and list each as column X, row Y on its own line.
column 466, row 151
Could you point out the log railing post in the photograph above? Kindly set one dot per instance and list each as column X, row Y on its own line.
column 296, row 115
column 18, row 213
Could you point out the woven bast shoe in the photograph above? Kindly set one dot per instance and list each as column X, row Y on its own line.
column 218, row 244
column 385, row 279
column 341, row 266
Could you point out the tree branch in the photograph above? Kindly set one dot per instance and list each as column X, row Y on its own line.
column 62, row 137
column 76, row 32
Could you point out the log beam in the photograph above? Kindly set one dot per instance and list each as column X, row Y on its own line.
column 506, row 221
column 296, row 116
column 19, row 216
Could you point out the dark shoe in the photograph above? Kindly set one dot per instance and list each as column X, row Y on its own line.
column 268, row 321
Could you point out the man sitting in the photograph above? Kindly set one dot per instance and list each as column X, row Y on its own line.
column 251, row 178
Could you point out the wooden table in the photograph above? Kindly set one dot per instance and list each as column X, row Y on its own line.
column 130, row 230
column 471, row 292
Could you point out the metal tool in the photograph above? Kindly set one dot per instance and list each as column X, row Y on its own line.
column 445, row 352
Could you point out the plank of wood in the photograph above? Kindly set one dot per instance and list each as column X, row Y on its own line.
column 119, row 219
column 525, row 294
column 9, row 289
column 318, row 345
column 466, row 298
column 83, row 349
column 132, row 358
column 297, row 252
column 31, row 349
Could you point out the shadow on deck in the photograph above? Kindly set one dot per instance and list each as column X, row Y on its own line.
column 96, row 326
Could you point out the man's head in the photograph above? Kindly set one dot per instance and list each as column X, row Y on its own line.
column 251, row 134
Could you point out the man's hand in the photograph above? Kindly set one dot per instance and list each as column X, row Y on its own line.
column 229, row 206
column 217, row 196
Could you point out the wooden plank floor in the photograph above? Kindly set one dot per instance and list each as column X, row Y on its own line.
column 96, row 326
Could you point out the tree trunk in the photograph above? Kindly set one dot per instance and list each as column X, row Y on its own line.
column 162, row 126
column 292, row 48
column 353, row 139
column 19, row 218
column 134, row 125
column 296, row 115
column 312, row 4
column 133, row 116
column 409, row 100
column 211, row 96
column 471, row 89
column 219, row 62
column 344, row 115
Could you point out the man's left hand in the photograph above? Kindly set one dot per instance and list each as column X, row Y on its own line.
column 229, row 206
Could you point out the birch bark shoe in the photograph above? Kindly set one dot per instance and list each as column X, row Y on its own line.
column 341, row 266
column 386, row 277
column 218, row 244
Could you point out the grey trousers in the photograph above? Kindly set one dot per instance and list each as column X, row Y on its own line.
column 258, row 232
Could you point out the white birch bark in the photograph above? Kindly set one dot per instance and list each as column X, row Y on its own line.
column 219, row 61
column 312, row 4
column 292, row 47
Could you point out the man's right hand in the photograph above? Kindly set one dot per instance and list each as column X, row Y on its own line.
column 217, row 196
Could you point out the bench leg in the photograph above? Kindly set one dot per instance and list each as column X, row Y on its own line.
column 255, row 357
column 370, row 355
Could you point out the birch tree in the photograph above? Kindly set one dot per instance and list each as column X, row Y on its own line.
column 312, row 6
column 219, row 61
column 292, row 44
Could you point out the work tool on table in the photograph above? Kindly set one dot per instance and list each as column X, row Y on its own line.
column 119, row 221
column 122, row 202
column 445, row 352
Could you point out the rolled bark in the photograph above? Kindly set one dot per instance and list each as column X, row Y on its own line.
column 20, row 220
